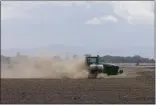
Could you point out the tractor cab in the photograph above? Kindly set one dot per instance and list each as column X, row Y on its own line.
column 92, row 60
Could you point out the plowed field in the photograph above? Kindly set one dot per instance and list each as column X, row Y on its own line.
column 131, row 90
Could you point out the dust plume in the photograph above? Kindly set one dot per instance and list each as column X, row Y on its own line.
column 43, row 67
column 47, row 65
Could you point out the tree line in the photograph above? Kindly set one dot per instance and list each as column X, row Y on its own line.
column 128, row 59
column 108, row 59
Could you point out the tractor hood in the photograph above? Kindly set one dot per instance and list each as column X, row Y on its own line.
column 100, row 66
column 109, row 64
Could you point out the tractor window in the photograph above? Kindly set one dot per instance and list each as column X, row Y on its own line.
column 100, row 59
column 92, row 60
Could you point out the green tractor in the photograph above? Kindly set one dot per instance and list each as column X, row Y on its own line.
column 95, row 66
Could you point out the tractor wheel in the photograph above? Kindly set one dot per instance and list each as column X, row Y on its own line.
column 108, row 74
column 92, row 76
column 120, row 71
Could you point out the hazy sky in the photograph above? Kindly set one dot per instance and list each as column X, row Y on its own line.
column 125, row 25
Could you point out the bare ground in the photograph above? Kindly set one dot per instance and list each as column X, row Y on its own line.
column 131, row 90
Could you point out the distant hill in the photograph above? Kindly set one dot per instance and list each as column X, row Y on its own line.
column 70, row 50
column 121, row 59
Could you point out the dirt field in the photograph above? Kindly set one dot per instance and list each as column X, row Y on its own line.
column 131, row 90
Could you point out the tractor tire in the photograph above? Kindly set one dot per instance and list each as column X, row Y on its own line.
column 92, row 76
column 108, row 74
column 120, row 71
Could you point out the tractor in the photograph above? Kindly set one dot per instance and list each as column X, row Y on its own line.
column 95, row 66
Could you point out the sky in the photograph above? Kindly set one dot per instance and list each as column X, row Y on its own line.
column 118, row 27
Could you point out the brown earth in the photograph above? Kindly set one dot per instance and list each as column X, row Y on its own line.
column 132, row 90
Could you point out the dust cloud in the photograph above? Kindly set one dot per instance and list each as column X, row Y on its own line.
column 42, row 66
column 47, row 65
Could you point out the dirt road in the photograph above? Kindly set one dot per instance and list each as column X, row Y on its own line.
column 132, row 90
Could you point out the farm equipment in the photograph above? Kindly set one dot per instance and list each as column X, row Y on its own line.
column 95, row 66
